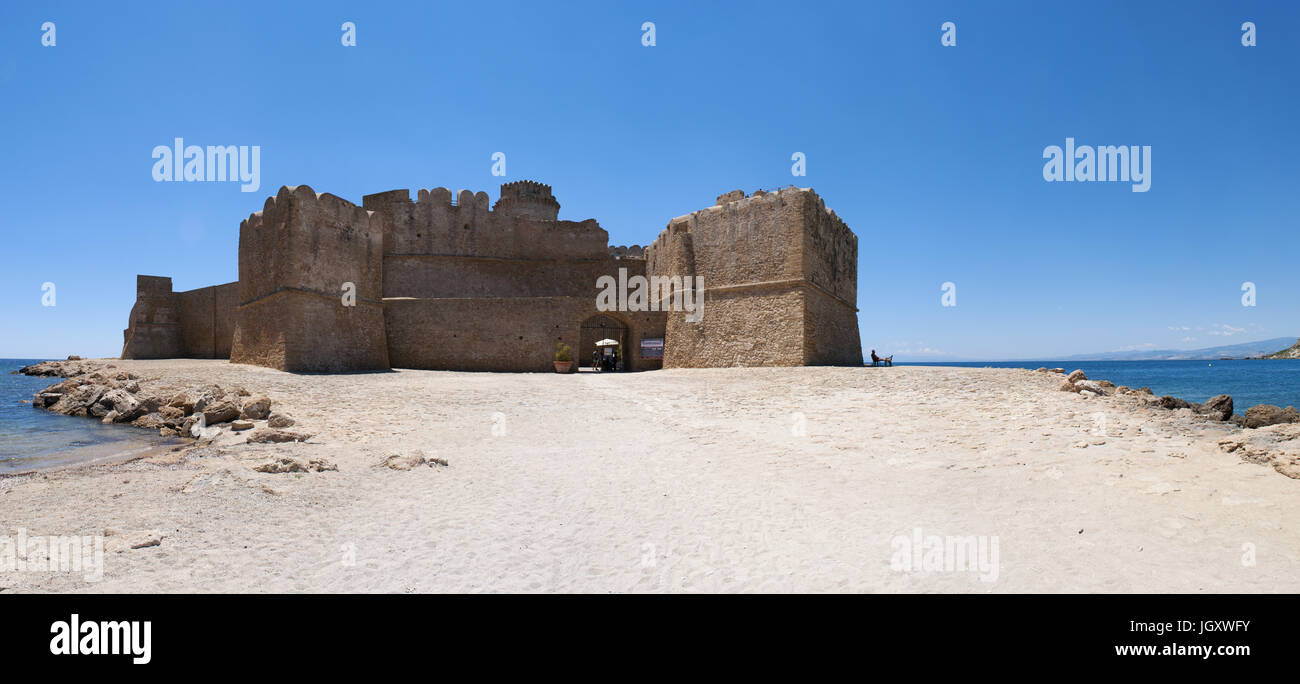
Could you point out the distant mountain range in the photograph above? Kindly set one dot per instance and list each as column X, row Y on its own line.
column 1262, row 348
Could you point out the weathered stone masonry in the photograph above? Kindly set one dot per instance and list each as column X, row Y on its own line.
column 447, row 283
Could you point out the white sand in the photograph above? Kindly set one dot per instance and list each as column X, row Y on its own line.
column 684, row 480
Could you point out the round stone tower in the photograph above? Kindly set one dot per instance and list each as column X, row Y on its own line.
column 527, row 198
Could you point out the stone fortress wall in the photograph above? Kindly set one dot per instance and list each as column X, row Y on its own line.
column 164, row 324
column 780, row 282
column 294, row 258
column 445, row 282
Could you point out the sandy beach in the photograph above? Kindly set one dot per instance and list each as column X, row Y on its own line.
column 712, row 480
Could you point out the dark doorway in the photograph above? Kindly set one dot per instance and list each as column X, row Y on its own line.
column 600, row 327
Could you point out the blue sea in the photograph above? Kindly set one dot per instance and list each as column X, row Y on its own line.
column 32, row 438
column 1273, row 381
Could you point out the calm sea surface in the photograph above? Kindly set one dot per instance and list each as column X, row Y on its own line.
column 1274, row 381
column 32, row 438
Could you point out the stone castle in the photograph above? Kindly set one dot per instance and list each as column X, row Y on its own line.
column 445, row 282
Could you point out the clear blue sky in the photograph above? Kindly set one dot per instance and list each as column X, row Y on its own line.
column 932, row 155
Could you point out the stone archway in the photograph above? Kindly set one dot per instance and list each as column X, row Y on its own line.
column 599, row 327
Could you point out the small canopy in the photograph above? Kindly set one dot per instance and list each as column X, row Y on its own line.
column 607, row 343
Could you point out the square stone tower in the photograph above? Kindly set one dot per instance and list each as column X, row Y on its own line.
column 780, row 278
column 299, row 258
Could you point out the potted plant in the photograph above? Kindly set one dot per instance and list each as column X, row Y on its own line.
column 563, row 357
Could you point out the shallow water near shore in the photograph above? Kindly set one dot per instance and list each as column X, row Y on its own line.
column 33, row 439
column 1271, row 381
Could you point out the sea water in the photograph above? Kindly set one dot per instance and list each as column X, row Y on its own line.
column 1266, row 381
column 32, row 438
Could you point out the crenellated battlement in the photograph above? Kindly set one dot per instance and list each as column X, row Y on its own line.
column 527, row 198
column 519, row 198
column 627, row 252
column 449, row 280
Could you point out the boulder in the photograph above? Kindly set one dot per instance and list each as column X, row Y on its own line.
column 405, row 461
column 255, row 408
column 274, row 436
column 221, row 410
column 241, row 425
column 1068, row 386
column 78, row 401
column 280, row 420
column 285, row 464
column 118, row 541
column 1263, row 415
column 1172, row 403
column 411, row 459
column 1076, row 376
column 126, row 405
column 152, row 421
column 1217, row 407
column 207, row 396
column 1092, row 386
column 183, row 401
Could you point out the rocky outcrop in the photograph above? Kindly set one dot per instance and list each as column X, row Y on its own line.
column 1264, row 415
column 53, row 369
column 255, row 408
column 1216, row 407
column 294, row 465
column 1173, row 403
column 273, row 436
column 280, row 420
column 1078, row 382
column 1292, row 352
column 93, row 391
column 1098, row 388
column 412, row 459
